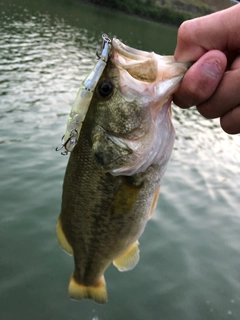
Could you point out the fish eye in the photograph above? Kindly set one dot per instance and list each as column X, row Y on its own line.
column 105, row 89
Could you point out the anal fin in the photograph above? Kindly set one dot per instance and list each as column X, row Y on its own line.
column 78, row 291
column 62, row 238
column 129, row 259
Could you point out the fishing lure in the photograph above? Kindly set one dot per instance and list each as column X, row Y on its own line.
column 83, row 99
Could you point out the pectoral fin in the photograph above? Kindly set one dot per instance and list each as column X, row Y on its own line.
column 62, row 238
column 129, row 259
column 78, row 291
column 154, row 203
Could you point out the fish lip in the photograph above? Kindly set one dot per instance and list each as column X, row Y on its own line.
column 145, row 67
column 130, row 52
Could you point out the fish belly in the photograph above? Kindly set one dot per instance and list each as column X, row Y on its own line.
column 101, row 219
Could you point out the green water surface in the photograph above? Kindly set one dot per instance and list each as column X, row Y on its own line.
column 190, row 251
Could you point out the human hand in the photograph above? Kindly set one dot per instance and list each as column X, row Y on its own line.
column 213, row 81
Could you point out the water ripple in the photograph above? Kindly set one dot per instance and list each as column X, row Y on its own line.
column 189, row 265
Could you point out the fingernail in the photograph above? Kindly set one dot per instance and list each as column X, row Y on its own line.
column 212, row 68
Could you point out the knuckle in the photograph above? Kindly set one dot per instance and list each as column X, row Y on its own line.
column 205, row 110
column 209, row 109
column 184, row 30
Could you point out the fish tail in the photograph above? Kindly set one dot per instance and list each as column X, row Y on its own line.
column 78, row 291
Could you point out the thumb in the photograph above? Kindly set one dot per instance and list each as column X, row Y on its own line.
column 201, row 80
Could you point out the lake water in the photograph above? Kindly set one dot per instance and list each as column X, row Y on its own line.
column 190, row 251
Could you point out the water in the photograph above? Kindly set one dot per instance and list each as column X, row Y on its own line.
column 190, row 251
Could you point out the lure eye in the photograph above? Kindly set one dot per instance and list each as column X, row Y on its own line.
column 105, row 89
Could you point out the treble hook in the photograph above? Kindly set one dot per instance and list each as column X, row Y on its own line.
column 64, row 153
column 73, row 134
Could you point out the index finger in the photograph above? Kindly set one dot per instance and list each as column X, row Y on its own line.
column 219, row 31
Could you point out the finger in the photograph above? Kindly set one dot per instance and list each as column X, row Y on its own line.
column 225, row 98
column 219, row 31
column 230, row 122
column 201, row 79
column 236, row 63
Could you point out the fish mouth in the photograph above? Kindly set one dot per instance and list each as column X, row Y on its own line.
column 129, row 52
column 147, row 67
column 141, row 65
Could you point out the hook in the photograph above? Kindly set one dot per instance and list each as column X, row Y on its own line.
column 73, row 134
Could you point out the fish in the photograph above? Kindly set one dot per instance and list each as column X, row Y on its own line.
column 119, row 148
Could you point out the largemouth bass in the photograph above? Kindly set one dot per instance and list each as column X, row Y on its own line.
column 121, row 143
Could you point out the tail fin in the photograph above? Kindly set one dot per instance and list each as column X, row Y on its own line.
column 98, row 293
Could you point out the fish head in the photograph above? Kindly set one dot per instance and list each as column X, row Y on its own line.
column 132, row 110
